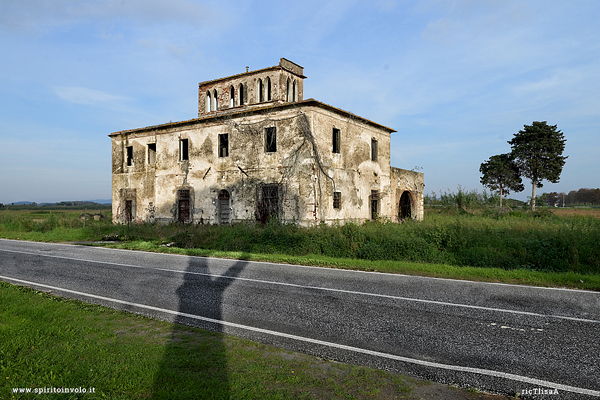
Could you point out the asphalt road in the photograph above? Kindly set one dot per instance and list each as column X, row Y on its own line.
column 499, row 338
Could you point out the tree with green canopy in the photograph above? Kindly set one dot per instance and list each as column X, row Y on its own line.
column 501, row 173
column 537, row 150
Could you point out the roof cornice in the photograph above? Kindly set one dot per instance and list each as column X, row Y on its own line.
column 250, row 110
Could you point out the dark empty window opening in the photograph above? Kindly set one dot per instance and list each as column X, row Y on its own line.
column 129, row 156
column 287, row 91
column 270, row 140
column 294, row 91
column 373, row 149
column 224, row 145
column 151, row 153
column 184, row 150
column 241, row 94
column 336, row 140
column 268, row 89
column 261, row 89
column 337, row 200
column 231, row 97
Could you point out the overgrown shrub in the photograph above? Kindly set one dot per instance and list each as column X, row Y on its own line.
column 507, row 239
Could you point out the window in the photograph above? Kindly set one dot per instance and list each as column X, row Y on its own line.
column 260, row 89
column 183, row 150
column 214, row 105
column 336, row 141
column 374, row 204
column 294, row 91
column 208, row 104
column 268, row 89
column 337, row 200
column 270, row 202
column 373, row 149
column 224, row 145
column 151, row 153
column 241, row 94
column 270, row 139
column 231, row 97
column 287, row 90
column 129, row 156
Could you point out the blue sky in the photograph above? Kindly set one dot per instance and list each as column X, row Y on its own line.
column 456, row 79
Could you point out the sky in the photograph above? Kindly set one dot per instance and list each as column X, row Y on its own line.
column 456, row 79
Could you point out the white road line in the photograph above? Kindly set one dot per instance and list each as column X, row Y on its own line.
column 442, row 303
column 480, row 371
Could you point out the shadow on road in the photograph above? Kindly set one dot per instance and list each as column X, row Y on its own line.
column 205, row 377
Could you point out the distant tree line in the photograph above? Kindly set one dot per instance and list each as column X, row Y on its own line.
column 466, row 199
column 473, row 199
column 54, row 206
column 581, row 197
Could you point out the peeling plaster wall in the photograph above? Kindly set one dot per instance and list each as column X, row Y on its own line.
column 306, row 194
column 304, row 167
column 354, row 174
column 412, row 182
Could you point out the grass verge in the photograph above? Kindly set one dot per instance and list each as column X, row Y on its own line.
column 570, row 280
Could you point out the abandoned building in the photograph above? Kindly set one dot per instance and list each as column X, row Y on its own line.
column 258, row 150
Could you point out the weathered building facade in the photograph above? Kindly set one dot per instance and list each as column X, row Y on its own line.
column 259, row 150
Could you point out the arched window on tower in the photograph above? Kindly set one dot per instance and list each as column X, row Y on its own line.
column 268, row 89
column 241, row 94
column 231, row 97
column 287, row 90
column 260, row 88
column 294, row 91
column 208, row 102
column 214, row 106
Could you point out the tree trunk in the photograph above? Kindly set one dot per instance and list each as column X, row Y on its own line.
column 500, row 197
column 533, row 196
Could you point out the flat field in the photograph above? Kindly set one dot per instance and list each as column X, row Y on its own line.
column 572, row 211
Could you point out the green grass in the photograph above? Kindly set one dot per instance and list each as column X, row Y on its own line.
column 498, row 275
column 512, row 247
column 48, row 341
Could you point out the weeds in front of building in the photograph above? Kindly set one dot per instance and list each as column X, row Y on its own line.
column 480, row 237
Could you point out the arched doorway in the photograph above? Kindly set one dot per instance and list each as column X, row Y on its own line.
column 224, row 207
column 405, row 207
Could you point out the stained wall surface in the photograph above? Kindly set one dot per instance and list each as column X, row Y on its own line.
column 297, row 160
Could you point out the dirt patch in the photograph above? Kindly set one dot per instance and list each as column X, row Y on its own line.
column 591, row 212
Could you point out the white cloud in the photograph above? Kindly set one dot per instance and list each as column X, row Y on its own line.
column 36, row 15
column 81, row 95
